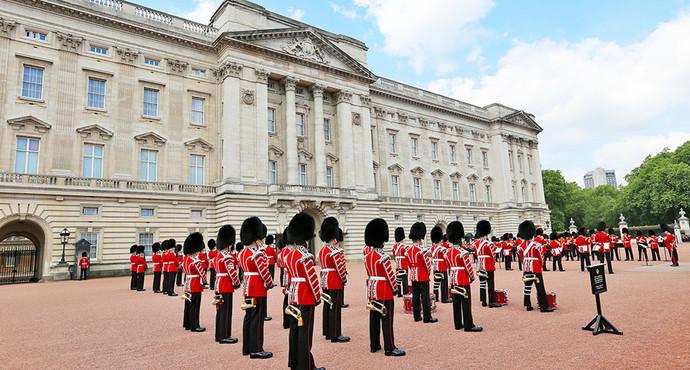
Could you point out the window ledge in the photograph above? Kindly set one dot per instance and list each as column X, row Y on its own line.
column 95, row 110
column 197, row 125
column 415, row 157
column 272, row 134
column 393, row 154
column 28, row 100
column 149, row 118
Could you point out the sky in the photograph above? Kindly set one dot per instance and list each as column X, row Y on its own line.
column 609, row 81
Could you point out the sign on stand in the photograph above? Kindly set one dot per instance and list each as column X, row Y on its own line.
column 599, row 324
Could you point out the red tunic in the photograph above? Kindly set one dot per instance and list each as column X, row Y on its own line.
column 175, row 267
column 507, row 248
column 626, row 241
column 227, row 277
column 281, row 263
column 381, row 281
column 670, row 241
column 193, row 271
column 304, row 284
column 401, row 261
column 271, row 255
column 211, row 257
column 204, row 260
column 533, row 258
column 84, row 263
column 485, row 256
column 133, row 262
column 157, row 261
column 461, row 270
column 437, row 252
column 521, row 245
column 141, row 264
column 420, row 263
column 257, row 278
column 333, row 270
column 653, row 242
column 604, row 240
column 556, row 250
column 582, row 244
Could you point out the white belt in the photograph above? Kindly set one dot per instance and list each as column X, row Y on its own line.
column 377, row 278
column 438, row 260
column 297, row 280
column 531, row 258
column 221, row 274
column 192, row 276
column 133, row 263
column 456, row 268
column 327, row 270
column 399, row 257
column 251, row 274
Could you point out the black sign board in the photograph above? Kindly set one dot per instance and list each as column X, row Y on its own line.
column 597, row 278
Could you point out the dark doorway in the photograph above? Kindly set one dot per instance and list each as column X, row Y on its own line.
column 18, row 260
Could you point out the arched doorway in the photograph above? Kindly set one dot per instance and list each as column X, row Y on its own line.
column 22, row 250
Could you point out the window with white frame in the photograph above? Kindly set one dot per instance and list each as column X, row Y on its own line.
column 299, row 120
column 437, row 189
column 35, row 35
column 395, row 185
column 151, row 102
column 198, row 110
column 147, row 212
column 197, row 213
column 148, row 165
column 99, row 50
column 92, row 163
column 434, row 150
column 27, row 154
column 92, row 238
column 90, row 210
column 197, row 173
column 146, row 239
column 456, row 190
column 329, row 176
column 152, row 62
column 485, row 159
column 473, row 192
column 487, row 188
column 451, row 153
column 302, row 172
column 417, row 187
column 197, row 72
column 32, row 82
column 273, row 172
column 271, row 117
column 414, row 147
column 468, row 155
column 327, row 129
column 392, row 143
column 96, row 93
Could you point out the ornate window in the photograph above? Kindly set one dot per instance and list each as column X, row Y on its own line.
column 302, row 173
column 151, row 97
column 197, row 171
column 32, row 82
column 473, row 192
column 414, row 149
column 146, row 239
column 327, row 129
column 434, row 150
column 329, row 176
column 468, row 155
column 271, row 116
column 96, row 93
column 451, row 153
column 437, row 189
column 487, row 188
column 418, row 187
column 456, row 190
column 485, row 159
column 300, row 122
column 35, row 35
column 395, row 185
column 272, row 172
column 148, row 165
column 198, row 110
column 392, row 143
column 92, row 162
column 27, row 155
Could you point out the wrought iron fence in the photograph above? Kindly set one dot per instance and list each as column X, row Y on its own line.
column 18, row 263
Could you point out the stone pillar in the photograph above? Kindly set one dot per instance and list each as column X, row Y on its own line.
column 366, row 142
column 534, row 150
column 261, row 101
column 290, row 130
column 683, row 222
column 6, row 31
column 345, row 139
column 229, row 74
column 319, row 139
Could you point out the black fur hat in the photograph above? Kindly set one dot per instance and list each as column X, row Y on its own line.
column 239, row 247
column 282, row 242
column 155, row 247
column 652, row 233
column 329, row 229
column 172, row 243
column 83, row 254
column 264, row 231
column 341, row 236
column 483, row 228
column 251, row 231
column 178, row 247
column 665, row 227
column 133, row 248
column 211, row 244
column 625, row 230
column 553, row 236
column 539, row 231
column 164, row 245
column 376, row 233
column 601, row 226
column 581, row 231
column 610, row 230
column 455, row 232
column 436, row 234
column 270, row 239
column 301, row 228
column 526, row 230
column 140, row 249
column 399, row 234
column 225, row 237
column 418, row 231
column 194, row 243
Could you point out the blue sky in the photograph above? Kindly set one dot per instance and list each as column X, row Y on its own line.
column 602, row 77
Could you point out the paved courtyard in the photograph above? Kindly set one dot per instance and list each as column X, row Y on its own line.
column 100, row 323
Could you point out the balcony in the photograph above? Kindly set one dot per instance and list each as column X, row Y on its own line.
column 437, row 202
column 309, row 190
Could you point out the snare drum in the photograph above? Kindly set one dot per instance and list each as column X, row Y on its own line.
column 501, row 296
column 551, row 300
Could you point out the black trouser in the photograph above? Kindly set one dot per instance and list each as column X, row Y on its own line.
column 543, row 264
column 462, row 310
column 674, row 256
column 615, row 251
column 286, row 317
column 655, row 254
column 509, row 260
column 584, row 261
column 253, row 327
column 177, row 276
column 640, row 251
column 332, row 315
column 133, row 282
column 519, row 263
column 299, row 354
column 442, row 292
column 272, row 270
column 156, row 281
column 377, row 323
column 84, row 274
column 541, row 292
column 212, row 279
column 629, row 254
column 191, row 312
column 169, row 286
column 140, row 280
column 224, row 317
column 421, row 301
column 166, row 281
column 607, row 256
column 485, row 284
column 403, row 285
column 557, row 260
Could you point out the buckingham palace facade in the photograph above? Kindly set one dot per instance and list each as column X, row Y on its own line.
column 124, row 125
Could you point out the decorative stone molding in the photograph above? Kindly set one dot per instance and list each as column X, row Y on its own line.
column 21, row 123
column 437, row 174
column 417, row 171
column 395, row 169
column 290, row 83
column 331, row 159
column 365, row 99
column 356, row 119
column 317, row 90
column 379, row 112
column 69, row 42
column 228, row 69
column 274, row 153
column 177, row 66
column 247, row 96
column 95, row 129
column 304, row 156
column 423, row 121
column 261, row 75
column 488, row 179
column 344, row 96
column 456, row 176
column 304, row 48
column 150, row 138
column 200, row 143
column 127, row 55
column 402, row 116
column 6, row 27
column 472, row 178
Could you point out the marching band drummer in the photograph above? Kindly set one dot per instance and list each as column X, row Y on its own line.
column 401, row 262
column 603, row 239
column 507, row 244
column 461, row 275
column 532, row 267
column 642, row 246
column 194, row 281
column 582, row 244
column 439, row 265
column 283, row 250
column 333, row 279
column 671, row 244
column 627, row 245
column 227, row 280
column 556, row 251
column 653, row 242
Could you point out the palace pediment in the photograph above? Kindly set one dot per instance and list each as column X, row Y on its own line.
column 520, row 118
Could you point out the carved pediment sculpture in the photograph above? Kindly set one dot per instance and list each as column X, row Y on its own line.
column 395, row 169
column 417, row 171
column 150, row 138
column 21, row 123
column 93, row 130
column 198, row 143
column 305, row 48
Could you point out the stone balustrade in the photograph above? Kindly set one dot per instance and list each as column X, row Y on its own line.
column 312, row 190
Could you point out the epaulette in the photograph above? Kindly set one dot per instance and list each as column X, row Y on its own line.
column 336, row 252
column 306, row 256
column 385, row 257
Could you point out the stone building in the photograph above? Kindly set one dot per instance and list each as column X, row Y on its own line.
column 127, row 125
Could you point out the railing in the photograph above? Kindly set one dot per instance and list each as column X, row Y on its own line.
column 312, row 190
column 113, row 4
column 87, row 182
column 439, row 202
column 153, row 15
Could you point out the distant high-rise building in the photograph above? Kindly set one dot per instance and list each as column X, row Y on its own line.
column 598, row 177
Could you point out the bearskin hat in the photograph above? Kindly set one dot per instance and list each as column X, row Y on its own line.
column 418, row 231
column 539, row 231
column 211, row 244
column 164, row 245
column 601, row 226
column 455, row 232
column 133, row 248
column 140, row 249
column 329, row 229
column 264, row 231
column 172, row 243
column 436, row 234
column 341, row 236
column 300, row 229
column 526, row 230
column 652, row 233
column 625, row 230
column 494, row 239
column 553, row 236
column 251, row 231
column 483, row 228
column 178, row 248
column 665, row 227
column 194, row 243
column 282, row 241
column 270, row 239
column 225, row 237
column 155, row 247
column 239, row 247
column 376, row 233
column 83, row 254
column 399, row 234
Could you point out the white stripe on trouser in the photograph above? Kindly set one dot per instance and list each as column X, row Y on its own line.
column 528, row 290
column 482, row 284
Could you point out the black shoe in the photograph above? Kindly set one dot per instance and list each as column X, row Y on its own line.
column 475, row 329
column 494, row 305
column 340, row 339
column 198, row 330
column 483, row 304
column 261, row 355
column 431, row 320
column 395, row 352
column 459, row 327
column 157, row 291
column 345, row 305
column 447, row 301
column 268, row 318
column 228, row 341
column 374, row 350
column 185, row 328
column 530, row 308
column 549, row 309
column 141, row 290
column 417, row 320
column 173, row 294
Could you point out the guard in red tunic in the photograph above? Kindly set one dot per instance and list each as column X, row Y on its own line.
column 84, row 265
column 177, row 268
column 170, row 268
column 141, row 268
column 461, row 275
column 203, row 257
column 539, row 238
column 157, row 261
column 381, row 287
column 339, row 244
column 556, row 251
column 603, row 239
column 333, row 278
column 227, row 280
column 304, row 292
column 671, row 244
column 195, row 279
column 485, row 264
column 257, row 281
column 508, row 250
column 532, row 266
column 583, row 249
column 133, row 267
column 211, row 256
column 615, row 244
column 653, row 241
column 438, row 249
column 627, row 245
column 283, row 251
column 401, row 262
column 420, row 271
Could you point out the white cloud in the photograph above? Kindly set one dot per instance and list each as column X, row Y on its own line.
column 296, row 14
column 345, row 12
column 427, row 33
column 593, row 94
column 203, row 10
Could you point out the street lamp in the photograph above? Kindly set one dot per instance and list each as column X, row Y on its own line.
column 64, row 235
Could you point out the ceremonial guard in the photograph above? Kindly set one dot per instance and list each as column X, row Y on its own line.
column 304, row 292
column 211, row 256
column 227, row 280
column 642, row 246
column 439, row 265
column 203, row 257
column 195, row 279
column 653, row 242
column 539, row 238
column 133, row 267
column 284, row 250
column 461, row 275
column 627, row 245
column 257, row 281
column 603, row 239
column 271, row 255
column 171, row 265
column 671, row 244
column 532, row 267
column 177, row 269
column 508, row 251
column 401, row 262
column 615, row 241
column 420, row 271
column 583, row 249
column 141, row 268
column 84, row 265
column 381, row 288
column 339, row 241
column 485, row 264
column 157, row 260
column 333, row 278
column 556, row 251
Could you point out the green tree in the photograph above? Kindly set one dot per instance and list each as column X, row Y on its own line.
column 556, row 193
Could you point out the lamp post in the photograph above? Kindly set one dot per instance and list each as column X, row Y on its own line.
column 64, row 235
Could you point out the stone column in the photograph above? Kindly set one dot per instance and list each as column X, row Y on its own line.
column 126, row 165
column 366, row 142
column 534, row 150
column 621, row 225
column 683, row 222
column 290, row 130
column 6, row 31
column 345, row 140
column 261, row 100
column 319, row 138
column 229, row 74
